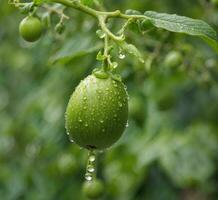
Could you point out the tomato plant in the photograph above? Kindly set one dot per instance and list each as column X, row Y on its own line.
column 97, row 112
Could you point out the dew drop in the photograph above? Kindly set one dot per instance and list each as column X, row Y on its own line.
column 120, row 104
column 88, row 177
column 90, row 168
column 71, row 139
column 92, row 158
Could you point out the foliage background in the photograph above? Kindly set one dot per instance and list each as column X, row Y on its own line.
column 169, row 150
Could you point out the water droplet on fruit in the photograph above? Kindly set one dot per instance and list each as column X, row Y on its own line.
column 71, row 139
column 120, row 104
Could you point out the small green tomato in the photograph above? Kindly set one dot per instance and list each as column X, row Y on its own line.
column 93, row 189
column 30, row 28
column 173, row 59
column 97, row 112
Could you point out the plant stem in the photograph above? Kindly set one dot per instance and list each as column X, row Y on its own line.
column 105, row 64
column 103, row 26
column 75, row 4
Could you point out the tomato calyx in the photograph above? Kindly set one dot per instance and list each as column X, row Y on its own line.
column 100, row 73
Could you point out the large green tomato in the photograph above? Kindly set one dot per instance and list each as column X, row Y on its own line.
column 97, row 112
column 30, row 28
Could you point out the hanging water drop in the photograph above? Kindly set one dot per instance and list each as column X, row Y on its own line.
column 88, row 177
column 90, row 168
column 92, row 158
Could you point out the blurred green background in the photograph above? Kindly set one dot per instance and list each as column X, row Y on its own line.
column 170, row 148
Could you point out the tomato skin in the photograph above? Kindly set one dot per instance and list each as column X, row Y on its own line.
column 97, row 112
column 30, row 28
column 93, row 189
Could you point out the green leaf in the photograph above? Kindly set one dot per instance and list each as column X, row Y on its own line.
column 181, row 24
column 79, row 45
column 131, row 49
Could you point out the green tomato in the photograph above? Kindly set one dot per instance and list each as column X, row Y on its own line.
column 97, row 112
column 173, row 59
column 30, row 28
column 93, row 189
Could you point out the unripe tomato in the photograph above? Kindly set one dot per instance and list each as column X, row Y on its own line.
column 173, row 59
column 30, row 28
column 97, row 112
column 93, row 189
